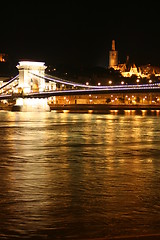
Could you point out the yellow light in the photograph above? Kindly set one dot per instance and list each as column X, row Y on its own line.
column 90, row 111
column 65, row 111
column 144, row 112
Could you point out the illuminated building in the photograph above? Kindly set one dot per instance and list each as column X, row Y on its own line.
column 127, row 69
column 113, row 56
column 3, row 57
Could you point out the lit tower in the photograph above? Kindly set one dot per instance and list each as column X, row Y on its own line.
column 31, row 80
column 113, row 56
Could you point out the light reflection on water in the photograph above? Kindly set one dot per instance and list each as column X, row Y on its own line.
column 79, row 176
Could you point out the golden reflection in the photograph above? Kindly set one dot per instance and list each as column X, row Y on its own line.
column 66, row 111
column 127, row 112
column 28, row 176
column 144, row 112
column 90, row 111
column 114, row 111
column 130, row 112
column 133, row 112
column 58, row 168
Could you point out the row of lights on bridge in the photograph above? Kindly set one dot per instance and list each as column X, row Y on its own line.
column 122, row 82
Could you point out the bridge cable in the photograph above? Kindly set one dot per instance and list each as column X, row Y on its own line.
column 10, row 81
column 62, row 81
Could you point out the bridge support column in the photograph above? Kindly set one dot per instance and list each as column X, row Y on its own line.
column 32, row 105
column 30, row 82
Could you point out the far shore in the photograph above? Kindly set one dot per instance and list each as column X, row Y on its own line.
column 102, row 108
column 97, row 108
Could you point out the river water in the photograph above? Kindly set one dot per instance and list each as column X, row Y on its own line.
column 79, row 175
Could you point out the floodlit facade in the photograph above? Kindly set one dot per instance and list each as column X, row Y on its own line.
column 113, row 56
column 127, row 70
column 3, row 57
column 29, row 81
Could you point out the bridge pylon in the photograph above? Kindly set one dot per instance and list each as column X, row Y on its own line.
column 30, row 82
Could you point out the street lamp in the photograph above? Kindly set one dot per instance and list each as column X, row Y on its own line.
column 110, row 82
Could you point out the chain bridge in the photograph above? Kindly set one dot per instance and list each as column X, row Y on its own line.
column 32, row 87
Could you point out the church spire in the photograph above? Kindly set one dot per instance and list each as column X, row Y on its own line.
column 113, row 45
column 113, row 56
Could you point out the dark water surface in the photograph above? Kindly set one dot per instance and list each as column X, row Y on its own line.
column 79, row 176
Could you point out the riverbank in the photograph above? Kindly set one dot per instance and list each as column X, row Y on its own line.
column 140, row 237
column 101, row 107
column 95, row 108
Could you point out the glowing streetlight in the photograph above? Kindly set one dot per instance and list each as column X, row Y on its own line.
column 110, row 82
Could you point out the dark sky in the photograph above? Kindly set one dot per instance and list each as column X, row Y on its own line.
column 80, row 32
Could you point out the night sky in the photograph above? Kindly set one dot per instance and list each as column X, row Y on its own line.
column 80, row 32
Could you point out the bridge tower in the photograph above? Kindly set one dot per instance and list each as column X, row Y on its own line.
column 29, row 82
